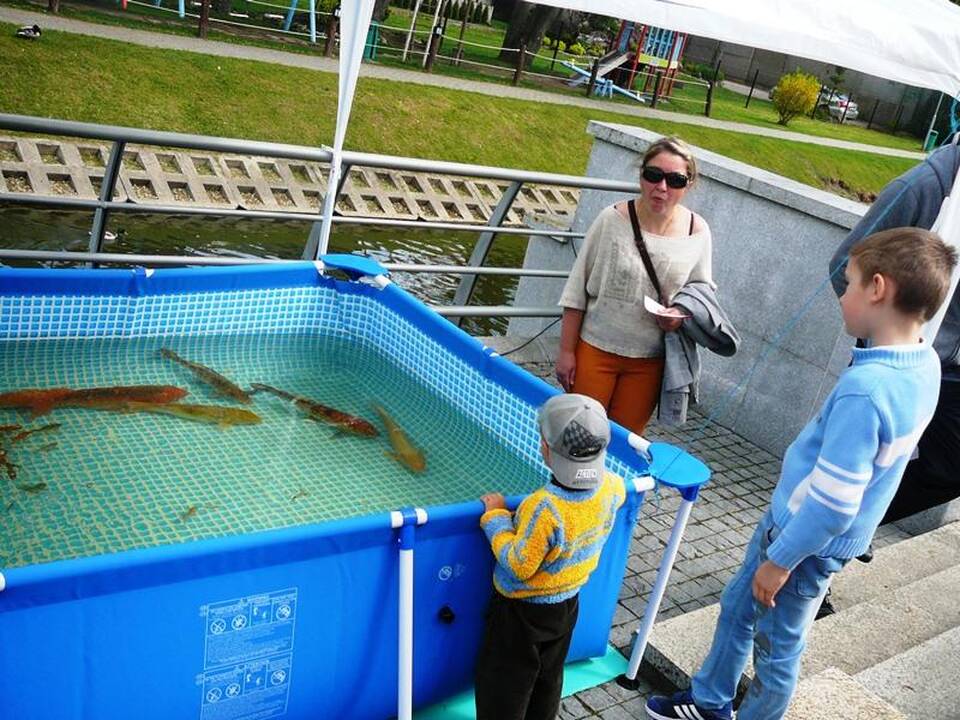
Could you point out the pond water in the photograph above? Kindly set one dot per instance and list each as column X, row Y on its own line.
column 36, row 229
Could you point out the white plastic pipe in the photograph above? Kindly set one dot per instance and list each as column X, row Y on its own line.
column 659, row 587
column 640, row 444
column 405, row 644
column 413, row 26
column 405, row 609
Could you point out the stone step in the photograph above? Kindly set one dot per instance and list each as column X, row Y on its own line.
column 678, row 646
column 884, row 626
column 920, row 682
column 833, row 695
column 896, row 566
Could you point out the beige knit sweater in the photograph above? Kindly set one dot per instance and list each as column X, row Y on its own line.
column 608, row 281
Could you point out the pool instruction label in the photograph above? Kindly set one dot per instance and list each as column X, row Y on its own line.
column 248, row 655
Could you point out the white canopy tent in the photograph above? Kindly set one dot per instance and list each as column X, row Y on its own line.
column 916, row 43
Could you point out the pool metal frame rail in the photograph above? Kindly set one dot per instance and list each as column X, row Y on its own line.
column 120, row 137
column 663, row 465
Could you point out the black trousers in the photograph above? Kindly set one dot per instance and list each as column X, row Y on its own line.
column 933, row 477
column 520, row 669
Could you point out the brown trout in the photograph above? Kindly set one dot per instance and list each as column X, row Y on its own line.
column 218, row 382
column 40, row 401
column 213, row 414
column 24, row 434
column 404, row 451
column 7, row 465
column 322, row 413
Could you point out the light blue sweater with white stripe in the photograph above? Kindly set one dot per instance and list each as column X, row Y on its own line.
column 842, row 471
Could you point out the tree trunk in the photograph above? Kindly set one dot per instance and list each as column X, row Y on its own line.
column 528, row 23
column 380, row 9
column 204, row 19
column 53, row 6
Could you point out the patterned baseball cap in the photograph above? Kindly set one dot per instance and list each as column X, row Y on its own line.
column 577, row 432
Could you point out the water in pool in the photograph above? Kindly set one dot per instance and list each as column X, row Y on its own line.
column 106, row 481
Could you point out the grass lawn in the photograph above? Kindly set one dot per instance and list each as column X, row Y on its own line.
column 727, row 105
column 90, row 79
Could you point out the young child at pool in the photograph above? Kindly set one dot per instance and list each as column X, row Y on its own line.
column 837, row 479
column 545, row 553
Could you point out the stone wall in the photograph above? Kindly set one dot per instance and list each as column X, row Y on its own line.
column 772, row 241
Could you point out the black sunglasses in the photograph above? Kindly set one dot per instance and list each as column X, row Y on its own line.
column 654, row 175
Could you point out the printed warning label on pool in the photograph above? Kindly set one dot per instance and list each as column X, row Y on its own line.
column 248, row 656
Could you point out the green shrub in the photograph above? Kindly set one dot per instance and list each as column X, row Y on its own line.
column 795, row 94
column 576, row 49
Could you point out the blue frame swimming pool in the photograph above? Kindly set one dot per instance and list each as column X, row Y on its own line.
column 298, row 622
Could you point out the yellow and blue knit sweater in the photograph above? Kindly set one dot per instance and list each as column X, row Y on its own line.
column 546, row 551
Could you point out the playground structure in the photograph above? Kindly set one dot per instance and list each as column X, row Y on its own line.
column 651, row 53
column 286, row 19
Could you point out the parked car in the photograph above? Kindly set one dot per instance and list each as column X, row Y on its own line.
column 836, row 105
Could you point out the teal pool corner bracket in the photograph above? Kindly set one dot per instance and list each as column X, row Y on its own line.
column 354, row 266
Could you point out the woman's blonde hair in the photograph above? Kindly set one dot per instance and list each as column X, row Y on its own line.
column 675, row 146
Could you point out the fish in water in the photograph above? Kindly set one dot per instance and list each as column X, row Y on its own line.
column 24, row 434
column 213, row 414
column 404, row 451
column 33, row 488
column 10, row 467
column 211, row 377
column 316, row 411
column 40, row 401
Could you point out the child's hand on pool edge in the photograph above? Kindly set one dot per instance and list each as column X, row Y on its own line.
column 493, row 501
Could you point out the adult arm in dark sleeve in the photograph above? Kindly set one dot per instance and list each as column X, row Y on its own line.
column 895, row 206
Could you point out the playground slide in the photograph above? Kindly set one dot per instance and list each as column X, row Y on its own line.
column 612, row 64
column 610, row 61
column 604, row 87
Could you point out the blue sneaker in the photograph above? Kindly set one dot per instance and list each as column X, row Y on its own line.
column 682, row 707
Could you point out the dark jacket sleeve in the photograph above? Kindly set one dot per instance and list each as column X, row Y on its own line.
column 896, row 206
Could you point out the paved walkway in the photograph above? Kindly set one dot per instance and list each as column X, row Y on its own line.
column 248, row 52
column 720, row 527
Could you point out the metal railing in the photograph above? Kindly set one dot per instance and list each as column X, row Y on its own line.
column 120, row 137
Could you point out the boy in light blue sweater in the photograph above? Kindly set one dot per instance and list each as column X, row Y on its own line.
column 837, row 479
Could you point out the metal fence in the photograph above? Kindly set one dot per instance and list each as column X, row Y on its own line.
column 120, row 137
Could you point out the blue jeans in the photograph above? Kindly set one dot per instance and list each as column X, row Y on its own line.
column 776, row 636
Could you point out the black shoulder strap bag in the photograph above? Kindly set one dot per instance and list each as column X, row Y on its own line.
column 642, row 248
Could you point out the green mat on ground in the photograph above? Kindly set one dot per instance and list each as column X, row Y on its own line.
column 577, row 676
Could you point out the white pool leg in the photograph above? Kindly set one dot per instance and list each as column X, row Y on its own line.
column 629, row 679
column 405, row 644
column 407, row 522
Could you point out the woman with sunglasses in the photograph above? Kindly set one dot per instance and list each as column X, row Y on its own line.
column 611, row 347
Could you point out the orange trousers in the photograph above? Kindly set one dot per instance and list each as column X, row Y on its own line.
column 628, row 388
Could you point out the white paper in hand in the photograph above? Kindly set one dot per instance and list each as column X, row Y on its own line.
column 655, row 308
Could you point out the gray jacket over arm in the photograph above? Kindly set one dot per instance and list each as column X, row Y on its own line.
column 709, row 327
column 913, row 200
